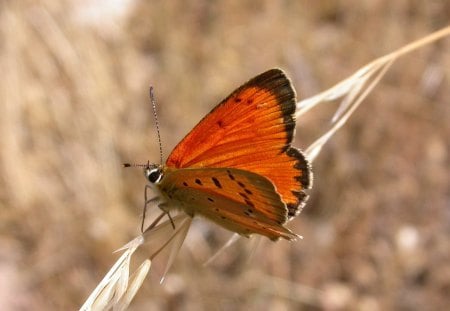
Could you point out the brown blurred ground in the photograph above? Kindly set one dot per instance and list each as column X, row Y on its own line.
column 74, row 106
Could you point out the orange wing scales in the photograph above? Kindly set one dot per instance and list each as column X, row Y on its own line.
column 252, row 130
column 241, row 201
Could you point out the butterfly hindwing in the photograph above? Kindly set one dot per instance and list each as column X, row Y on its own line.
column 252, row 130
column 241, row 201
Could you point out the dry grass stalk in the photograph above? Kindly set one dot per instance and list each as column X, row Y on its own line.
column 117, row 289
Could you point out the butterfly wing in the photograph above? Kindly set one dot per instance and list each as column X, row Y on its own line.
column 241, row 201
column 252, row 130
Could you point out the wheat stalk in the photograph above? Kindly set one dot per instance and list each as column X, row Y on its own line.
column 118, row 288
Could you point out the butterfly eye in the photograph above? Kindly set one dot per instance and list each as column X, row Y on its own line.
column 153, row 175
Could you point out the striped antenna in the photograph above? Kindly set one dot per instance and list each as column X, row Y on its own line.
column 134, row 165
column 152, row 98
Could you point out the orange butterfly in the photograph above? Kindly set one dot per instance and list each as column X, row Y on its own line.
column 237, row 167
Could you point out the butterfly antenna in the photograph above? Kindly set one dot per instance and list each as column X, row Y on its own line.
column 155, row 115
column 134, row 165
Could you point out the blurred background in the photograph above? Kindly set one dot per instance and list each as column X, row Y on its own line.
column 74, row 105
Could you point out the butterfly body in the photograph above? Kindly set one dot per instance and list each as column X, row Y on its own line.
column 236, row 167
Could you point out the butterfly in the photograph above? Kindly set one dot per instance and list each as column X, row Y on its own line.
column 237, row 167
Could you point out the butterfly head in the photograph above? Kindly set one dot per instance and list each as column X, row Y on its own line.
column 153, row 173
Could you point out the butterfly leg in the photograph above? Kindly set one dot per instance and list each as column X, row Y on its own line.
column 163, row 206
column 146, row 202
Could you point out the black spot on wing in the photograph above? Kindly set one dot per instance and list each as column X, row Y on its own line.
column 231, row 176
column 244, row 195
column 216, row 182
column 249, row 203
column 241, row 184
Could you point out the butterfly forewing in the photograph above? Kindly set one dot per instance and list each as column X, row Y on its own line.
column 241, row 201
column 252, row 130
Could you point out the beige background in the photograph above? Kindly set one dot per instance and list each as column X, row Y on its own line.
column 74, row 106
